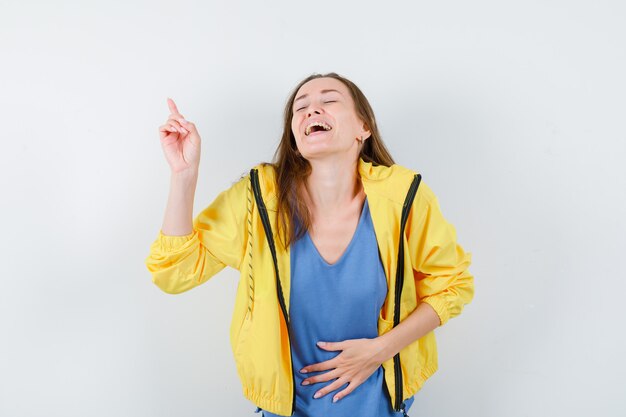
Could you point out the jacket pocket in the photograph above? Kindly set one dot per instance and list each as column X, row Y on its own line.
column 384, row 325
column 241, row 336
column 411, row 359
column 239, row 353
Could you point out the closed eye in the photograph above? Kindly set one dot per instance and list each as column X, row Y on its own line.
column 328, row 101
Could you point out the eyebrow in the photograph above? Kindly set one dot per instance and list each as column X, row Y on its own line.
column 323, row 92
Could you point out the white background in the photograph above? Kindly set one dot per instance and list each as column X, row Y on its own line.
column 512, row 111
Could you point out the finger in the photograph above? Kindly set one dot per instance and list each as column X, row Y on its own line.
column 330, row 387
column 172, row 106
column 331, row 345
column 341, row 394
column 177, row 126
column 180, row 129
column 326, row 376
column 166, row 131
column 180, row 119
column 321, row 366
column 167, row 128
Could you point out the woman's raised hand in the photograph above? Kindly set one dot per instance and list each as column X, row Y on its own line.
column 180, row 141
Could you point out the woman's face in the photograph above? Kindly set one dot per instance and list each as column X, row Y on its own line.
column 324, row 119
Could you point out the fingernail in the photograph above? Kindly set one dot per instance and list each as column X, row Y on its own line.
column 335, row 399
column 305, row 382
column 303, row 371
column 321, row 343
column 317, row 395
column 184, row 121
column 185, row 131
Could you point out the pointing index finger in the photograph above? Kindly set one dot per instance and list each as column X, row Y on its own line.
column 172, row 106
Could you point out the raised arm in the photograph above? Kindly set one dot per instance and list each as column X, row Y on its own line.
column 181, row 146
column 188, row 252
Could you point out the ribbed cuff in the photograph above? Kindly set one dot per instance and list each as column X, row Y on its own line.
column 438, row 303
column 173, row 243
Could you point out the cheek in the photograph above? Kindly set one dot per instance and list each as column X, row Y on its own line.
column 345, row 124
column 352, row 124
column 294, row 128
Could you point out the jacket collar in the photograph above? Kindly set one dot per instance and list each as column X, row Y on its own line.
column 379, row 182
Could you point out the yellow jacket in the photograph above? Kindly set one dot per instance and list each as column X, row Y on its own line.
column 231, row 231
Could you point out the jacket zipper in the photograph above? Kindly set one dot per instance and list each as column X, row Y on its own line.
column 399, row 403
column 270, row 240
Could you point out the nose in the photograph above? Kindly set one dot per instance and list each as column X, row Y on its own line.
column 310, row 112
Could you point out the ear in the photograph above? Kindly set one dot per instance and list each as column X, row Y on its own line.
column 365, row 131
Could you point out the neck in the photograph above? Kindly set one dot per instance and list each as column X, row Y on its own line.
column 333, row 184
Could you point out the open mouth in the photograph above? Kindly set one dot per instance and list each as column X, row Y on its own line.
column 316, row 127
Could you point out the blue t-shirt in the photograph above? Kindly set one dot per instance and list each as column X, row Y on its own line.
column 332, row 303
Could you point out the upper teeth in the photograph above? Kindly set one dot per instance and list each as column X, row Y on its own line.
column 307, row 131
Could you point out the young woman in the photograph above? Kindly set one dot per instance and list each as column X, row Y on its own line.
column 347, row 263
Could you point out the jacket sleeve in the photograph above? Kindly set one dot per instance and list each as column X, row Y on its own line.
column 218, row 239
column 440, row 264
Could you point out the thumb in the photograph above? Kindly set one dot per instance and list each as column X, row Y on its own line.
column 191, row 127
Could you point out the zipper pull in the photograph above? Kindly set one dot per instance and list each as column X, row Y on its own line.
column 403, row 408
column 258, row 409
